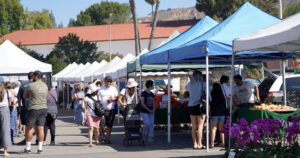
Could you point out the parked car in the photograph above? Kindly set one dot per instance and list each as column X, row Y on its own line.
column 275, row 93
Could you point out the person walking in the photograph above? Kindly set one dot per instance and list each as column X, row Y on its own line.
column 5, row 139
column 51, row 115
column 36, row 93
column 196, row 88
column 78, row 98
column 219, row 103
column 89, row 115
column 23, row 104
column 109, row 96
column 128, row 95
column 147, row 111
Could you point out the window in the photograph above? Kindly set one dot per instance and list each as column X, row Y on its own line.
column 292, row 84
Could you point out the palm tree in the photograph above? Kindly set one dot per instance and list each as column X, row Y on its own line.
column 136, row 30
column 154, row 24
column 151, row 2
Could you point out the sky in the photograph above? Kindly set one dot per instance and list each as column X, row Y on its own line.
column 63, row 10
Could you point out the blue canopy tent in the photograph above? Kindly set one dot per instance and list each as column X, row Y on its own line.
column 198, row 29
column 215, row 46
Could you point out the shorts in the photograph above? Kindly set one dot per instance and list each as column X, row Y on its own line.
column 23, row 116
column 109, row 117
column 216, row 119
column 36, row 117
column 196, row 110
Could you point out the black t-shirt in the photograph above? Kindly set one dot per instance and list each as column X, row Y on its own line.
column 20, row 95
column 148, row 100
column 218, row 103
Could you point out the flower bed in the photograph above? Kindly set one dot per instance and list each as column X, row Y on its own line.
column 265, row 138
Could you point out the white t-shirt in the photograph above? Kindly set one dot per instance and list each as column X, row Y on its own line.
column 5, row 101
column 244, row 93
column 130, row 99
column 90, row 105
column 105, row 93
column 195, row 91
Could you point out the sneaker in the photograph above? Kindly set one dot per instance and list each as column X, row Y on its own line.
column 39, row 151
column 26, row 151
column 52, row 143
column 44, row 143
column 108, row 141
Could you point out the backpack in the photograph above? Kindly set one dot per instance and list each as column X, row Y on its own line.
column 99, row 108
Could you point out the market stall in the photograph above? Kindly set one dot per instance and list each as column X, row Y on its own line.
column 215, row 46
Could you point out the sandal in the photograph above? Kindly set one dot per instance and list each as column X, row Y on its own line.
column 211, row 146
column 91, row 145
column 202, row 147
column 98, row 143
column 221, row 145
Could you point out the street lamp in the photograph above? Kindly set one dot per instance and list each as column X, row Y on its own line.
column 110, row 14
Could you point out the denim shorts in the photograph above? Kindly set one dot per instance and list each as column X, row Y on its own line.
column 216, row 119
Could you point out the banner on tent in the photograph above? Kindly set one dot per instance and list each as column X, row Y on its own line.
column 296, row 63
column 253, row 71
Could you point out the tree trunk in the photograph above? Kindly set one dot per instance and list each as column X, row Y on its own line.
column 136, row 31
column 154, row 25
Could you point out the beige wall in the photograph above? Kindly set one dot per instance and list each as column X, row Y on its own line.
column 122, row 47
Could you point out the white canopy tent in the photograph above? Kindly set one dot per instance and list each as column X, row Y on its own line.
column 80, row 75
column 66, row 70
column 114, row 71
column 283, row 36
column 68, row 77
column 94, row 74
column 15, row 62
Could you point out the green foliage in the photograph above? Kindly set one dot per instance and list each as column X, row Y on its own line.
column 151, row 2
column 105, row 56
column 32, row 53
column 71, row 49
column 38, row 20
column 11, row 16
column 52, row 19
column 98, row 14
column 291, row 10
column 220, row 10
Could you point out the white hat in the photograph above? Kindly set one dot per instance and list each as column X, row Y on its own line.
column 92, row 88
column 131, row 83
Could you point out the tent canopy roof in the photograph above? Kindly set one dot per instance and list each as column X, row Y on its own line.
column 15, row 61
column 160, row 54
column 217, row 42
column 283, row 36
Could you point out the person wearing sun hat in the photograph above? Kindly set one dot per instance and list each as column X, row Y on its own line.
column 92, row 119
column 108, row 95
column 127, row 95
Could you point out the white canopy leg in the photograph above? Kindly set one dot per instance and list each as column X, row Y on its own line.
column 207, row 106
column 169, row 103
column 283, row 81
column 231, row 100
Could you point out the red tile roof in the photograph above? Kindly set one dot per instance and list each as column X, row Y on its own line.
column 96, row 33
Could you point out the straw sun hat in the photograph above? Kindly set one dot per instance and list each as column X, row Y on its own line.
column 131, row 83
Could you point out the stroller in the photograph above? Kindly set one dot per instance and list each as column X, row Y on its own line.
column 132, row 124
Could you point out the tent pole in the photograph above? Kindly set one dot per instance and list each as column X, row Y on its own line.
column 207, row 102
column 169, row 102
column 118, row 108
column 283, row 81
column 68, row 94
column 231, row 99
column 141, row 74
column 63, row 92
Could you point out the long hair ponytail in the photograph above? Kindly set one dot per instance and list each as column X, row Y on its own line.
column 2, row 91
column 196, row 77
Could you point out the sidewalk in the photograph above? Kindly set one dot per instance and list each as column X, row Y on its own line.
column 72, row 142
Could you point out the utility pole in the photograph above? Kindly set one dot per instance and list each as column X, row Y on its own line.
column 280, row 9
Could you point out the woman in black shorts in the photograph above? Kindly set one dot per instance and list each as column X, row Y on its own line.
column 196, row 87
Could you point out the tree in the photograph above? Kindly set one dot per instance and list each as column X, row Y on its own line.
column 151, row 2
column 154, row 25
column 98, row 14
column 291, row 10
column 220, row 10
column 71, row 48
column 52, row 19
column 38, row 20
column 11, row 16
column 106, row 56
column 136, row 29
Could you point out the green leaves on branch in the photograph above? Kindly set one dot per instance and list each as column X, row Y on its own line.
column 98, row 14
column 39, row 20
column 221, row 9
column 291, row 9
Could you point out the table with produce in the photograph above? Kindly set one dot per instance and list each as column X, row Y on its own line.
column 269, row 110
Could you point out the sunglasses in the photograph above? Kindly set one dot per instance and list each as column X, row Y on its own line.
column 109, row 81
